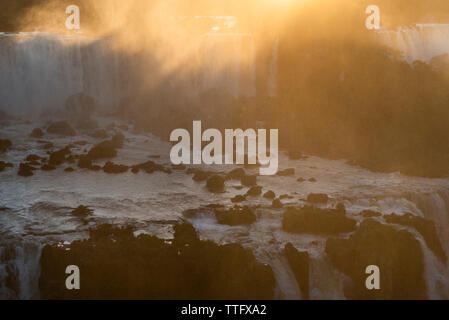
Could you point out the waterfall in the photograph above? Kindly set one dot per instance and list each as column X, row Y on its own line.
column 420, row 42
column 272, row 80
column 40, row 71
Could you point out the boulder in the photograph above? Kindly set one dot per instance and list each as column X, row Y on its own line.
column 238, row 198
column 4, row 165
column 269, row 194
column 215, row 183
column 37, row 133
column 248, row 181
column 25, row 170
column 317, row 198
column 235, row 216
column 236, row 174
column 110, row 167
column 254, row 191
column 300, row 263
column 61, row 128
column 5, row 144
column 277, row 204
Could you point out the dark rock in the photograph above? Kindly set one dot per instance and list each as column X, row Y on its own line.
column 317, row 198
column 151, row 268
column 69, row 169
column 47, row 167
column 425, row 227
column 315, row 220
column 84, row 162
column 215, row 183
column 37, row 133
column 277, row 204
column 179, row 167
column 201, row 175
column 5, row 144
column 118, row 140
column 254, row 191
column 236, row 174
column 370, row 214
column 105, row 149
column 4, row 165
column 61, row 128
column 235, row 216
column 397, row 254
column 286, row 172
column 269, row 194
column 82, row 211
column 95, row 168
column 238, row 198
column 135, row 170
column 285, row 196
column 248, row 181
column 312, row 180
column 299, row 262
column 100, row 134
column 300, row 179
column 25, row 170
column 59, row 157
column 150, row 167
column 33, row 157
column 110, row 167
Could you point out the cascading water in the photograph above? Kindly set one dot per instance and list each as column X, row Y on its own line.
column 420, row 42
column 39, row 71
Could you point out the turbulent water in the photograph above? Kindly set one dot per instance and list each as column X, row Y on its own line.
column 36, row 210
column 419, row 42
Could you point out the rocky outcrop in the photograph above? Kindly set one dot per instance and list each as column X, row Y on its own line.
column 110, row 167
column 5, row 144
column 397, row 254
column 310, row 219
column 61, row 128
column 299, row 262
column 116, row 265
column 215, row 184
column 235, row 216
column 37, row 133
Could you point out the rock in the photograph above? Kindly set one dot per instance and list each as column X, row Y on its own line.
column 425, row 227
column 47, row 167
column 317, row 198
column 215, row 183
column 5, row 144
column 59, row 157
column 201, row 175
column 238, row 198
column 105, row 149
column 32, row 157
column 315, row 220
column 285, row 196
column 95, row 168
column 4, row 165
column 82, row 211
column 37, row 133
column 286, row 172
column 84, row 162
column 235, row 216
column 118, row 140
column 269, row 194
column 312, row 180
column 100, row 134
column 254, row 191
column 61, row 128
column 69, row 169
column 397, row 254
column 151, row 268
column 110, row 167
column 370, row 213
column 248, row 181
column 277, row 204
column 236, row 174
column 300, row 179
column 25, row 170
column 299, row 262
column 150, row 167
column 179, row 167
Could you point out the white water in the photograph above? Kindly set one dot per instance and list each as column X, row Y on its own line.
column 420, row 42
column 39, row 209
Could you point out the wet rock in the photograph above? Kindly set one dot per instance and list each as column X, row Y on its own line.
column 248, row 181
column 397, row 254
column 254, row 191
column 277, row 204
column 69, row 169
column 32, row 157
column 238, row 198
column 235, row 216
column 425, row 227
column 100, row 134
column 150, row 167
column 236, row 174
column 105, row 149
column 300, row 179
column 215, row 184
column 151, row 268
column 370, row 213
column 59, row 157
column 37, row 133
column 317, row 198
column 61, row 128
column 286, row 172
column 25, row 170
column 315, row 220
column 200, row 175
column 4, row 165
column 48, row 167
column 84, row 162
column 269, row 194
column 95, row 168
column 299, row 262
column 312, row 180
column 82, row 211
column 5, row 144
column 110, row 167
